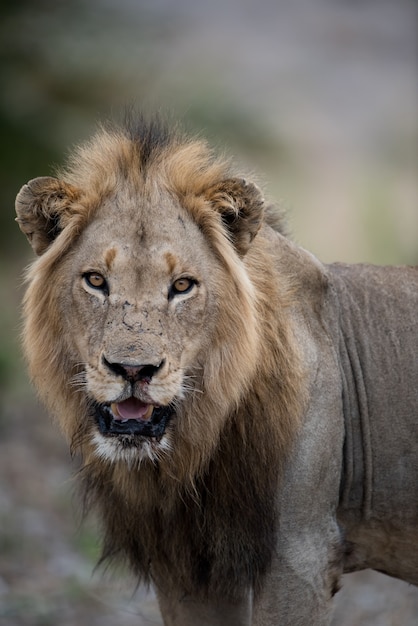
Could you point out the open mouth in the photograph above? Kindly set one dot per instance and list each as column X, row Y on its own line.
column 133, row 418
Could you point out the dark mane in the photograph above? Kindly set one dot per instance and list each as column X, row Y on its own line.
column 151, row 136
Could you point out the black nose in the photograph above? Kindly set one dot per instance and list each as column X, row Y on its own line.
column 133, row 372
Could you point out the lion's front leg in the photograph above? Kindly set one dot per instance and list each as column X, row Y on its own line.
column 188, row 611
column 304, row 577
column 308, row 557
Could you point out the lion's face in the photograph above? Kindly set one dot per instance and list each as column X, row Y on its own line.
column 142, row 301
column 141, row 330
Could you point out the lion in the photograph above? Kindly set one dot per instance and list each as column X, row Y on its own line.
column 247, row 416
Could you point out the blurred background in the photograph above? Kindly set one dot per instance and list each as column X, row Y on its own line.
column 318, row 97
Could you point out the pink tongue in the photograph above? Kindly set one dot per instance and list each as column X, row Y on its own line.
column 131, row 409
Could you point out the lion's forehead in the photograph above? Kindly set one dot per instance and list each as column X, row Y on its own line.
column 146, row 220
column 165, row 242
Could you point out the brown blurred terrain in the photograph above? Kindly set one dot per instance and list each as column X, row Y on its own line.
column 319, row 97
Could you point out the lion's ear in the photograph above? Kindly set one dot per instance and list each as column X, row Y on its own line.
column 241, row 206
column 40, row 206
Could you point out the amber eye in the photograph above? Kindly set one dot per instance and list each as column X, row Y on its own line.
column 182, row 285
column 96, row 280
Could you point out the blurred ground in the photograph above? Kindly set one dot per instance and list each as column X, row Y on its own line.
column 319, row 96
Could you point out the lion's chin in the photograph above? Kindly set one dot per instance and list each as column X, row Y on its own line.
column 110, row 424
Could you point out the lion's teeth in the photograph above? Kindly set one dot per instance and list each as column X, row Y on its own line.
column 148, row 414
column 114, row 408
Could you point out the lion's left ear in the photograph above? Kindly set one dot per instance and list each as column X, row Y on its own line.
column 241, row 206
column 41, row 208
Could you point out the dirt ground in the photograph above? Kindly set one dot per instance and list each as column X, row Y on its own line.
column 47, row 559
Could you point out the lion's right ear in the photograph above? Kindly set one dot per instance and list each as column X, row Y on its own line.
column 40, row 206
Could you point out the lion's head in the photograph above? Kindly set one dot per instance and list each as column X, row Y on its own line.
column 141, row 319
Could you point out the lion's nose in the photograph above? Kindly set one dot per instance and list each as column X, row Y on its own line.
column 133, row 372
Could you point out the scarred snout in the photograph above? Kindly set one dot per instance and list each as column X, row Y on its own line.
column 133, row 396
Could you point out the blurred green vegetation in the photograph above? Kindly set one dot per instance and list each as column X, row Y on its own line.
column 35, row 96
column 87, row 543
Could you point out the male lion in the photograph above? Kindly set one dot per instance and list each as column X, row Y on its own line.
column 247, row 416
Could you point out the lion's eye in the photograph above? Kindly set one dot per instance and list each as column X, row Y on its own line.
column 95, row 280
column 181, row 286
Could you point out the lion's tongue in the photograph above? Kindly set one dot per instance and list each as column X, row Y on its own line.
column 132, row 409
